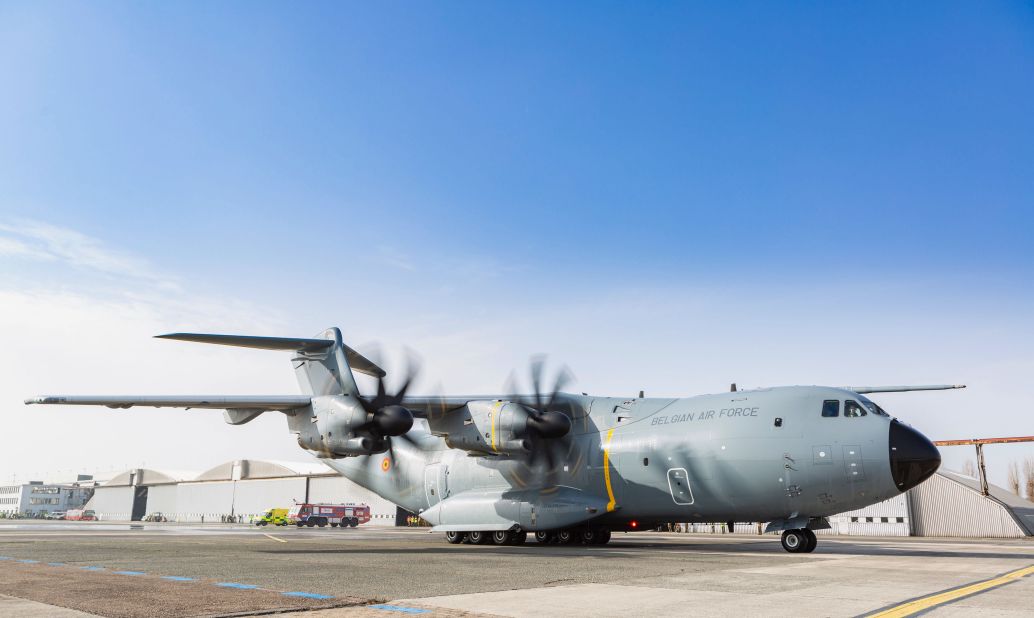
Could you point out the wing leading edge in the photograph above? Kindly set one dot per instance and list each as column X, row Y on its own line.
column 217, row 402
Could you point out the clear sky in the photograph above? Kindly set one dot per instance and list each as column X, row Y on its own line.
column 663, row 196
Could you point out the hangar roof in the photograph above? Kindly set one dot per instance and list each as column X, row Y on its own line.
column 149, row 476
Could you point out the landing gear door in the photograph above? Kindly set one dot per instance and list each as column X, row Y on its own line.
column 432, row 484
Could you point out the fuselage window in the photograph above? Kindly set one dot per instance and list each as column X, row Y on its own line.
column 852, row 409
column 831, row 407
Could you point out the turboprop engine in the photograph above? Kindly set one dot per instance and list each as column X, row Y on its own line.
column 349, row 426
column 502, row 428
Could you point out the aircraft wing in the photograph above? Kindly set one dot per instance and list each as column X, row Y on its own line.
column 862, row 390
column 218, row 402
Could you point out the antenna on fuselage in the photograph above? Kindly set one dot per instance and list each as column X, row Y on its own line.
column 732, row 387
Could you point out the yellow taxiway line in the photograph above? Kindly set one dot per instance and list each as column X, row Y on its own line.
column 921, row 604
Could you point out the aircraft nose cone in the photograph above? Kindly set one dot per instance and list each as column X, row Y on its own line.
column 913, row 458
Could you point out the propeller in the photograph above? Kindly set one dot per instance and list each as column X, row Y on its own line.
column 388, row 418
column 547, row 429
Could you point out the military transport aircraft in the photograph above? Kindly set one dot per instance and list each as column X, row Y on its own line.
column 573, row 468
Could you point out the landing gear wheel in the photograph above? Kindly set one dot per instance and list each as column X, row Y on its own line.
column 794, row 541
column 566, row 537
column 812, row 541
column 543, row 536
column 455, row 538
column 477, row 537
column 502, row 537
column 519, row 538
column 604, row 537
column 590, row 536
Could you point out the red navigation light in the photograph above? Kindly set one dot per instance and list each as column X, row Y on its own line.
column 634, row 524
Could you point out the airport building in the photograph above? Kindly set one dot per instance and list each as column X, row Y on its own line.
column 37, row 498
column 234, row 491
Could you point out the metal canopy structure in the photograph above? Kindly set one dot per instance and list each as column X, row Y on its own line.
column 979, row 444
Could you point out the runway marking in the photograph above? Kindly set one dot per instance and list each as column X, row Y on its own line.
column 178, row 578
column 134, row 573
column 55, row 564
column 922, row 604
column 307, row 595
column 29, row 561
column 400, row 608
column 92, row 568
column 274, row 538
column 237, row 586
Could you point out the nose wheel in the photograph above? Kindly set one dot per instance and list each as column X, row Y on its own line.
column 800, row 541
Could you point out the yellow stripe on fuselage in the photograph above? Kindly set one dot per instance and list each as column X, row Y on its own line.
column 606, row 472
column 495, row 416
column 922, row 604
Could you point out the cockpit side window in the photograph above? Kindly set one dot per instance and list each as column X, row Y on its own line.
column 875, row 409
column 831, row 407
column 852, row 409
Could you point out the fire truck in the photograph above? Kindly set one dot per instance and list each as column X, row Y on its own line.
column 337, row 515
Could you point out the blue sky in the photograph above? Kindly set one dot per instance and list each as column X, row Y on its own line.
column 666, row 196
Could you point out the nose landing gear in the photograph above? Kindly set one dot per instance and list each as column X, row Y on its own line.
column 800, row 541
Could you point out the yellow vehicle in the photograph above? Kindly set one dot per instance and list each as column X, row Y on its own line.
column 276, row 517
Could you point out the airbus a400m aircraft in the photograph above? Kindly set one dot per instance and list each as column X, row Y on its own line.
column 573, row 468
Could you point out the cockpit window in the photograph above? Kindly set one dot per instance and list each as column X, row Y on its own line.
column 875, row 409
column 831, row 407
column 852, row 409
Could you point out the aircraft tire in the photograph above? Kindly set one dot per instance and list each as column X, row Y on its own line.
column 478, row 537
column 794, row 541
column 566, row 537
column 813, row 541
column 544, row 536
column 519, row 538
column 601, row 536
column 455, row 538
column 502, row 537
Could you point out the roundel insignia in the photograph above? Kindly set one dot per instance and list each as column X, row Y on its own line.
column 385, row 464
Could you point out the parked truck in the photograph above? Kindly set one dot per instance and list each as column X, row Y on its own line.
column 273, row 517
column 337, row 515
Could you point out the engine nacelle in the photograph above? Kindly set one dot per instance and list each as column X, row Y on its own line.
column 336, row 419
column 487, row 427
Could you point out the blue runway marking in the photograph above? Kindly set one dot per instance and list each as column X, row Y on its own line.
column 5, row 557
column 307, row 595
column 399, row 608
column 129, row 573
column 237, row 586
column 29, row 561
column 55, row 564
column 177, row 578
column 92, row 568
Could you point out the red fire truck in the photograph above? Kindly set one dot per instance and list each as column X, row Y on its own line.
column 80, row 515
column 343, row 515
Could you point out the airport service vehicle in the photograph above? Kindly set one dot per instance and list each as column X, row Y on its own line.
column 55, row 515
column 343, row 515
column 157, row 517
column 273, row 517
column 573, row 468
column 80, row 515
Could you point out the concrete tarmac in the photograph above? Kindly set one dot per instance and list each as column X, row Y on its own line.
column 129, row 570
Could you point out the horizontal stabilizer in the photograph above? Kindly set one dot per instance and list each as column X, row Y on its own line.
column 356, row 361
column 902, row 389
column 220, row 402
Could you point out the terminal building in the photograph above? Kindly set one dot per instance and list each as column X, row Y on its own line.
column 948, row 504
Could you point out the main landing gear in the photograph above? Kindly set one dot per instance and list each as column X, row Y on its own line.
column 565, row 536
column 800, row 541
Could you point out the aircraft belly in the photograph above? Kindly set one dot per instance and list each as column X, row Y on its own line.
column 507, row 509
